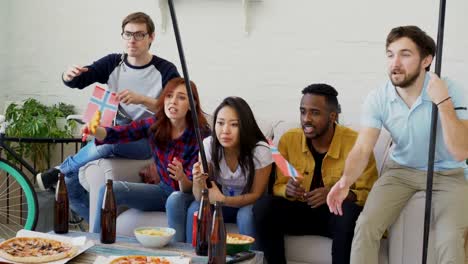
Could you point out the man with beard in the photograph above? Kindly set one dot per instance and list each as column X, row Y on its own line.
column 318, row 151
column 403, row 106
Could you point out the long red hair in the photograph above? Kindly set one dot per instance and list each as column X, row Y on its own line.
column 162, row 127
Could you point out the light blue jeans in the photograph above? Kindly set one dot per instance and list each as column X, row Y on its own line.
column 243, row 217
column 176, row 210
column 141, row 196
column 79, row 197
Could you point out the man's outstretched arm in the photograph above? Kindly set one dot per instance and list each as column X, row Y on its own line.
column 355, row 165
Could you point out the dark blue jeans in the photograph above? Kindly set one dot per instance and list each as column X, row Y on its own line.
column 276, row 217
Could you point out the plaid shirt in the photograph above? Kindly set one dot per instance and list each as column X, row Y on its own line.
column 184, row 148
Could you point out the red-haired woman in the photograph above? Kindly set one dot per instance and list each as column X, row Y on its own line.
column 174, row 148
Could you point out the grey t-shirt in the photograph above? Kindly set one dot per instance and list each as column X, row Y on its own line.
column 233, row 182
column 147, row 80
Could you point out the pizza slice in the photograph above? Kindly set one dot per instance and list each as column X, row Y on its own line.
column 35, row 250
column 139, row 260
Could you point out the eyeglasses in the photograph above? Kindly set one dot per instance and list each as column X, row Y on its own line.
column 136, row 35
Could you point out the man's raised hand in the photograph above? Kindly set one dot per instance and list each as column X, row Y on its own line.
column 336, row 196
column 73, row 71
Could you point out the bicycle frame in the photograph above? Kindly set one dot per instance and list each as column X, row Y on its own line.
column 4, row 147
column 4, row 138
column 17, row 157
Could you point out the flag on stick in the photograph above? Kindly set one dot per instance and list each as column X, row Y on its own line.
column 92, row 126
column 105, row 102
column 286, row 168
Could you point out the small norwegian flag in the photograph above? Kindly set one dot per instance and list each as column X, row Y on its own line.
column 104, row 101
column 286, row 168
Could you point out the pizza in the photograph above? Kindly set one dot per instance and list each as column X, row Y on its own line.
column 139, row 260
column 35, row 250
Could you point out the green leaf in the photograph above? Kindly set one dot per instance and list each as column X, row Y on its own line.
column 34, row 119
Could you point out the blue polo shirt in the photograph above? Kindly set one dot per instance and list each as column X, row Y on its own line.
column 410, row 128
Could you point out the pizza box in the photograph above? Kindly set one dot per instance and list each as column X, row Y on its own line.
column 173, row 260
column 80, row 242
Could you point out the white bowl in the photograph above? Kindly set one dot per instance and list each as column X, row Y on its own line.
column 154, row 240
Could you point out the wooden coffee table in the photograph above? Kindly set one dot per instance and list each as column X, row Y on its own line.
column 130, row 246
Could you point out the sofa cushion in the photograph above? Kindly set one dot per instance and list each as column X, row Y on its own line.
column 307, row 248
column 266, row 126
column 304, row 249
column 280, row 128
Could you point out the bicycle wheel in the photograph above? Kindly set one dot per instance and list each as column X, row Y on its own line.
column 18, row 201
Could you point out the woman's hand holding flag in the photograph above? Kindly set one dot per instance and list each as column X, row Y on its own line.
column 93, row 128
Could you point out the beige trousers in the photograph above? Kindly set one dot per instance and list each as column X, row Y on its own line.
column 390, row 194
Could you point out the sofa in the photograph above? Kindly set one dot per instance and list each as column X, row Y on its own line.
column 404, row 237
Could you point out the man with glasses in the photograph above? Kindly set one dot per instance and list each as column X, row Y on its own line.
column 137, row 76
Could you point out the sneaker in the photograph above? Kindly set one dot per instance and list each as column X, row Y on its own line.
column 46, row 180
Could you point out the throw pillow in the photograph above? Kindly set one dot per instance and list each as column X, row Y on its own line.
column 149, row 174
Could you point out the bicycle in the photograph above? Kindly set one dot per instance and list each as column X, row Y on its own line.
column 18, row 199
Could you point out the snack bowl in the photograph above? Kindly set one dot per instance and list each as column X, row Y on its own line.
column 236, row 243
column 150, row 236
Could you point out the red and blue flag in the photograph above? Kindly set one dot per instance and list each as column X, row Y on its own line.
column 286, row 168
column 104, row 101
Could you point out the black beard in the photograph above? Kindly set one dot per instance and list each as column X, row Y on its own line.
column 324, row 130
column 407, row 82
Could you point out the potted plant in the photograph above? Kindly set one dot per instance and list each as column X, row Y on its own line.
column 32, row 119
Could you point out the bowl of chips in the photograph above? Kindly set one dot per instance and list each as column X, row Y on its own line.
column 154, row 236
column 236, row 243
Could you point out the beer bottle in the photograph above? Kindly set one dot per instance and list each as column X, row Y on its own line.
column 61, row 208
column 203, row 225
column 217, row 247
column 108, row 215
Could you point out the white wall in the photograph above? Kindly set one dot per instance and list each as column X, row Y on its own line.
column 4, row 46
column 292, row 44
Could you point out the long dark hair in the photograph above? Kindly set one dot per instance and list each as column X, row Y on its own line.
column 249, row 135
column 162, row 128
